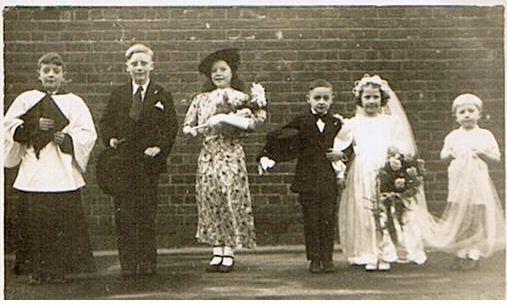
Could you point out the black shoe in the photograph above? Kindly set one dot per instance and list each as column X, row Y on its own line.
column 315, row 266
column 226, row 269
column 328, row 267
column 214, row 267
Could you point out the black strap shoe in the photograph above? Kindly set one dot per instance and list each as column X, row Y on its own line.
column 224, row 268
column 214, row 267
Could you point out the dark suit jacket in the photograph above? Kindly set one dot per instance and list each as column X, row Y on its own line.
column 157, row 127
column 301, row 139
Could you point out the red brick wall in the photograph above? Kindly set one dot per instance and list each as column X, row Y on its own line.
column 428, row 54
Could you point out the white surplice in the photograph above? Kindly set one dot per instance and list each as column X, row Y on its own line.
column 53, row 171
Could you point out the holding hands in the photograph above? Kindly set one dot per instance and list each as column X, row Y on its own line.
column 335, row 155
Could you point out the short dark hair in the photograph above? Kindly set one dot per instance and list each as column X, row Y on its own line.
column 384, row 96
column 51, row 58
column 320, row 83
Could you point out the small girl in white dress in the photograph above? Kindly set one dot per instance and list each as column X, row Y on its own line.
column 373, row 132
column 473, row 220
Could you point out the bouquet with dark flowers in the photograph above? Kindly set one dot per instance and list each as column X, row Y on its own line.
column 398, row 182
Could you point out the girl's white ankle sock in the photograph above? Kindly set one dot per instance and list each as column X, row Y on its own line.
column 228, row 261
column 217, row 256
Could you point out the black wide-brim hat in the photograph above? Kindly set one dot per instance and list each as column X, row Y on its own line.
column 230, row 56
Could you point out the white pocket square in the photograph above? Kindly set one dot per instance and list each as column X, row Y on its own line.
column 159, row 105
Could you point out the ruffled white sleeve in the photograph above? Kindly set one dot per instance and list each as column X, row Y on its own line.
column 82, row 131
column 13, row 151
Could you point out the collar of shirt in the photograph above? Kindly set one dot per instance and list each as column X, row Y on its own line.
column 145, row 87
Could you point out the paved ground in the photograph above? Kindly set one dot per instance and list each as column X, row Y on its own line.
column 272, row 273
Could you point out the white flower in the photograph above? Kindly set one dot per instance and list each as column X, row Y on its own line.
column 258, row 95
column 399, row 183
column 395, row 163
column 235, row 97
column 412, row 171
column 367, row 79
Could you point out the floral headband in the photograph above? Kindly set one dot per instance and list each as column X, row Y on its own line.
column 366, row 80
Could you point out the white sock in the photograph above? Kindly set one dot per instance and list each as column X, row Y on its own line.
column 462, row 254
column 217, row 256
column 474, row 254
column 228, row 261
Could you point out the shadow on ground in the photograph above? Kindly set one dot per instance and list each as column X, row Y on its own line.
column 273, row 275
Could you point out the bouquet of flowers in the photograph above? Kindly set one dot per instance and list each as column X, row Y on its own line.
column 233, row 100
column 398, row 182
column 241, row 104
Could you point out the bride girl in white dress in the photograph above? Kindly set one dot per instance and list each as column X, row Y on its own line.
column 379, row 125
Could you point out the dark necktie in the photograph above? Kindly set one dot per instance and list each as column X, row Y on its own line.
column 136, row 109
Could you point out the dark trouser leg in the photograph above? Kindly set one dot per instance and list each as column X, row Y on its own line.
column 311, row 227
column 124, row 215
column 147, row 246
column 327, row 228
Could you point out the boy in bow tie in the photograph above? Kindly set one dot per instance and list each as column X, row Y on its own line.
column 140, row 123
column 309, row 138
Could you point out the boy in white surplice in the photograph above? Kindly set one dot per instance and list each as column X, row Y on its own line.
column 50, row 134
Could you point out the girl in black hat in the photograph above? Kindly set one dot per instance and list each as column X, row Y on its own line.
column 220, row 113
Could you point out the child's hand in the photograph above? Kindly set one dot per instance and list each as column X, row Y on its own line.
column 245, row 112
column 340, row 182
column 485, row 155
column 58, row 137
column 190, row 131
column 152, row 151
column 334, row 155
column 338, row 117
column 265, row 163
column 46, row 124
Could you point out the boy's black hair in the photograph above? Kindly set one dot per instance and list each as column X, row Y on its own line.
column 51, row 58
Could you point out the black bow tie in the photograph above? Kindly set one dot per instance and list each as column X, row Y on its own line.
column 320, row 116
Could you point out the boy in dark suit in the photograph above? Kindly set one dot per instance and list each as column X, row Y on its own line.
column 140, row 122
column 309, row 137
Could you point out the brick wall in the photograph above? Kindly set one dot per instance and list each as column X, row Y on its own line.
column 428, row 54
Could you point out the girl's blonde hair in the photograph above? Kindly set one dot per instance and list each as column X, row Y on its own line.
column 466, row 99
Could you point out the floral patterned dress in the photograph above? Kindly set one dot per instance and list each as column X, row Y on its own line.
column 225, row 215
